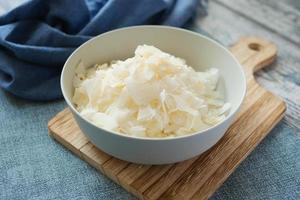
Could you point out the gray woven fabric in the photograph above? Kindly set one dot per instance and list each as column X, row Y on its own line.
column 34, row 166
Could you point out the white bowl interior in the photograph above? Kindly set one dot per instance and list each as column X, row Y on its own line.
column 199, row 52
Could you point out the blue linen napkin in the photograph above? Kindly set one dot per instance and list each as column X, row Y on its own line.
column 37, row 37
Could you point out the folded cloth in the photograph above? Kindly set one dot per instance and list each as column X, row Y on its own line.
column 37, row 37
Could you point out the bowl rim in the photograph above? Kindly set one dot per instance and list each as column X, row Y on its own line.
column 68, row 101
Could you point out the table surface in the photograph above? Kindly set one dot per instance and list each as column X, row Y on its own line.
column 33, row 166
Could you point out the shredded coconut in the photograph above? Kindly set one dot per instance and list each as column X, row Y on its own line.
column 152, row 94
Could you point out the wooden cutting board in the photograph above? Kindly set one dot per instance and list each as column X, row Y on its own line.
column 198, row 177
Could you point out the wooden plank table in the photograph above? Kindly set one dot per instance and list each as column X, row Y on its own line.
column 277, row 21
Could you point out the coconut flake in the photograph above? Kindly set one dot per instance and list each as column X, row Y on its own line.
column 152, row 94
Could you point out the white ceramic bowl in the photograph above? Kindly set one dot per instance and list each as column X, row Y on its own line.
column 200, row 53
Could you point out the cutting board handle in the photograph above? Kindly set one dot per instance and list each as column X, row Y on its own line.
column 254, row 53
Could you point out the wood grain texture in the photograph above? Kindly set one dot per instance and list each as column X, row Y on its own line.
column 72, row 136
column 204, row 168
column 167, row 180
column 214, row 181
column 94, row 156
column 131, row 174
column 198, row 177
column 283, row 76
column 264, row 12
